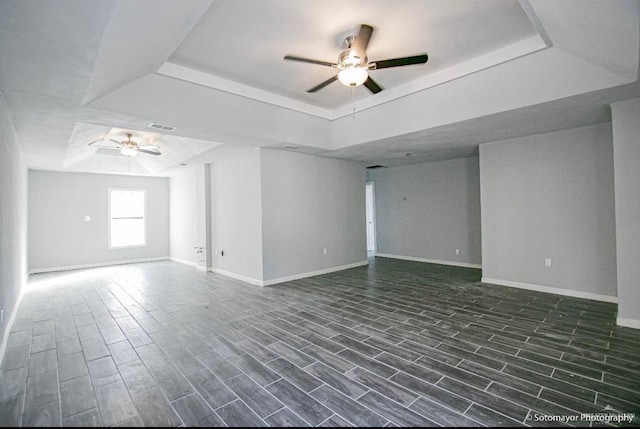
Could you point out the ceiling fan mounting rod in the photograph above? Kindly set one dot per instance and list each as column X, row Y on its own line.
column 348, row 41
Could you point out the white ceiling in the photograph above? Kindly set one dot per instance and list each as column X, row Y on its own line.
column 250, row 50
column 73, row 71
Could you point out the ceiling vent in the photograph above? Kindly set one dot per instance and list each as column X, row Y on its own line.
column 291, row 147
column 373, row 167
column 162, row 127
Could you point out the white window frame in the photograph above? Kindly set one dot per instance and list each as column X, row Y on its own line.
column 109, row 190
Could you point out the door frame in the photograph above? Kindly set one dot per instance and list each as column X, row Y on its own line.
column 373, row 216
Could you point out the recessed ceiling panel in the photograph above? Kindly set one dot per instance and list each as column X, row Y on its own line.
column 245, row 40
column 101, row 155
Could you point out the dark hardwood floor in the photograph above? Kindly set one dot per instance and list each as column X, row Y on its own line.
column 393, row 343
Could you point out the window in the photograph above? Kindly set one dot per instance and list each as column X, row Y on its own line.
column 127, row 218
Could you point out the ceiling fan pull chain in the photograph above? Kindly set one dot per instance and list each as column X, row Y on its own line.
column 353, row 96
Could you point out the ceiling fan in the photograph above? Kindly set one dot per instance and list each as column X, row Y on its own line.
column 353, row 64
column 128, row 147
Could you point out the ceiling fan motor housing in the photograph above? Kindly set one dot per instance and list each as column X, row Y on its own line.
column 350, row 58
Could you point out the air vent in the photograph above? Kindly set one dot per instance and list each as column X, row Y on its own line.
column 373, row 167
column 289, row 146
column 162, row 127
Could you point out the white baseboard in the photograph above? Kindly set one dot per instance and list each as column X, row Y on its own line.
column 313, row 273
column 9, row 324
column 183, row 261
column 287, row 278
column 430, row 261
column 238, row 276
column 201, row 268
column 629, row 323
column 96, row 265
column 554, row 290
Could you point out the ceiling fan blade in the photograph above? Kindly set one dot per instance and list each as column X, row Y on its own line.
column 372, row 85
column 150, row 152
column 397, row 62
column 307, row 60
column 149, row 147
column 323, row 84
column 105, row 140
column 362, row 40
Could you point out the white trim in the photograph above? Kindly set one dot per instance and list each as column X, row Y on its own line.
column 201, row 268
column 554, row 290
column 431, row 261
column 373, row 216
column 313, row 273
column 9, row 325
column 97, row 264
column 183, row 261
column 287, row 278
column 238, row 276
column 629, row 323
column 110, row 219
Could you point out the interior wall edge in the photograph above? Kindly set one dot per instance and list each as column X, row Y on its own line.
column 628, row 323
column 97, row 265
column 240, row 277
column 183, row 261
column 272, row 282
column 552, row 290
column 430, row 261
column 9, row 326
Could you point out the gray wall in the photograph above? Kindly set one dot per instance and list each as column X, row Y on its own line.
column 428, row 210
column 58, row 235
column 13, row 223
column 626, row 151
column 310, row 203
column 550, row 196
column 237, row 215
column 182, row 216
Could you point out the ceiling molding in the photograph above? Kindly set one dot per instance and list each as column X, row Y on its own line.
column 200, row 78
column 482, row 62
column 491, row 59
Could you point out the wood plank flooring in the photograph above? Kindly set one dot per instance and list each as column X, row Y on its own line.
column 395, row 343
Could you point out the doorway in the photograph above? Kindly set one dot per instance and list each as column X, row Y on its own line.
column 370, row 202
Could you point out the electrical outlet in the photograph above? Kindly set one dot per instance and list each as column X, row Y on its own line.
column 324, row 251
column 547, row 262
column 87, row 218
column 457, row 251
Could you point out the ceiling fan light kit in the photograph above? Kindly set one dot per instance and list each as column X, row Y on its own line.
column 129, row 151
column 353, row 63
column 129, row 147
column 353, row 76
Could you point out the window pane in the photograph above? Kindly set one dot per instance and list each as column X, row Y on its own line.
column 127, row 232
column 127, row 218
column 127, row 204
